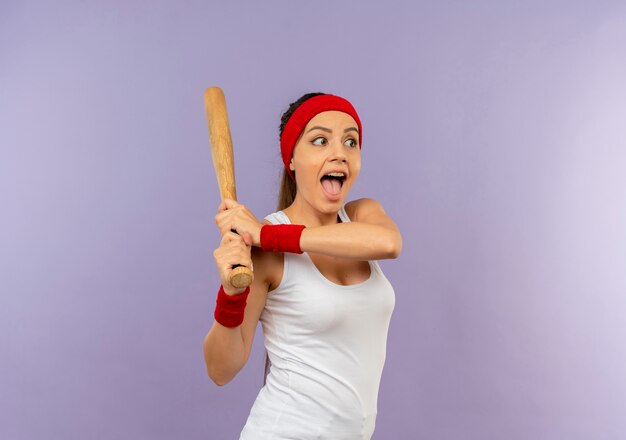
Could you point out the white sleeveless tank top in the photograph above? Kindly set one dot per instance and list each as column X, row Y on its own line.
column 326, row 345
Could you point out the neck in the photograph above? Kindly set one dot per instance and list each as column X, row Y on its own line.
column 303, row 213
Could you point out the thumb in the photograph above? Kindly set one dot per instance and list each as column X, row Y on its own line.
column 247, row 238
column 227, row 204
column 230, row 203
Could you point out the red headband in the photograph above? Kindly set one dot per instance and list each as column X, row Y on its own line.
column 303, row 114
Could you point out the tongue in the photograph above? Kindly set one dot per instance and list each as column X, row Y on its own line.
column 332, row 186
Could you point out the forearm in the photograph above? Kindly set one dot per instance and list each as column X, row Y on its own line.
column 355, row 240
column 224, row 353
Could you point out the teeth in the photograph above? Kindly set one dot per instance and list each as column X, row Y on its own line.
column 336, row 174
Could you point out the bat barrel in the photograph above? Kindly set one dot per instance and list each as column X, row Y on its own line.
column 221, row 141
column 224, row 164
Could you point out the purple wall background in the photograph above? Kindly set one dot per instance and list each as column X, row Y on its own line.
column 493, row 134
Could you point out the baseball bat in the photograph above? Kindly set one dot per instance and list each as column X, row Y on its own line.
column 224, row 163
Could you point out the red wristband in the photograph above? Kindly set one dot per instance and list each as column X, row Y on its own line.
column 229, row 308
column 281, row 238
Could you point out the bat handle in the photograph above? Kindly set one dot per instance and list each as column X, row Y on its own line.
column 241, row 276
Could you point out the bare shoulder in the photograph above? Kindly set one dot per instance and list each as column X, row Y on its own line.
column 364, row 208
column 369, row 211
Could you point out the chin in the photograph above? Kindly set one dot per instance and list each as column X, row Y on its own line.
column 332, row 206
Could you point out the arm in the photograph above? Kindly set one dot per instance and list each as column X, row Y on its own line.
column 227, row 349
column 370, row 235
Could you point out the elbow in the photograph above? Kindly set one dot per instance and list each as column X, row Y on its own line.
column 218, row 372
column 394, row 247
column 219, row 378
column 219, row 381
column 221, row 375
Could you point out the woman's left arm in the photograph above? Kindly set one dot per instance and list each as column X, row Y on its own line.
column 370, row 235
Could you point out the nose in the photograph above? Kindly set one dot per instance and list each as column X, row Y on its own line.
column 337, row 152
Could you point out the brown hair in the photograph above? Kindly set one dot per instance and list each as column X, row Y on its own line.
column 287, row 192
column 288, row 188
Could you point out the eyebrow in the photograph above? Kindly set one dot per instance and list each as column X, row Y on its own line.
column 328, row 130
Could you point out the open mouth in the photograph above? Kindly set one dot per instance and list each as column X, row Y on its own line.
column 332, row 184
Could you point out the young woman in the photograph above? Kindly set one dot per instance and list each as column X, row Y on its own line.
column 322, row 299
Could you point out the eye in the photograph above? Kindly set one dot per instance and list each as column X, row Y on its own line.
column 351, row 143
column 319, row 141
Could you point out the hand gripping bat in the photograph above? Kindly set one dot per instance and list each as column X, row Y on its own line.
column 224, row 163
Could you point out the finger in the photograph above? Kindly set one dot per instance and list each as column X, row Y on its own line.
column 229, row 237
column 221, row 215
column 239, row 260
column 227, row 258
column 247, row 238
column 238, row 248
column 227, row 204
column 225, row 220
column 226, row 228
column 226, row 225
column 235, row 245
column 230, row 203
column 222, row 207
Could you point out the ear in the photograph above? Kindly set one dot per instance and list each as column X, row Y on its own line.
column 291, row 167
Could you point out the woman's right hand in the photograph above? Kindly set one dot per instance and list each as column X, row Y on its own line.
column 234, row 249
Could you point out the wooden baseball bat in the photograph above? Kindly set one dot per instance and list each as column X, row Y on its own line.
column 224, row 163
